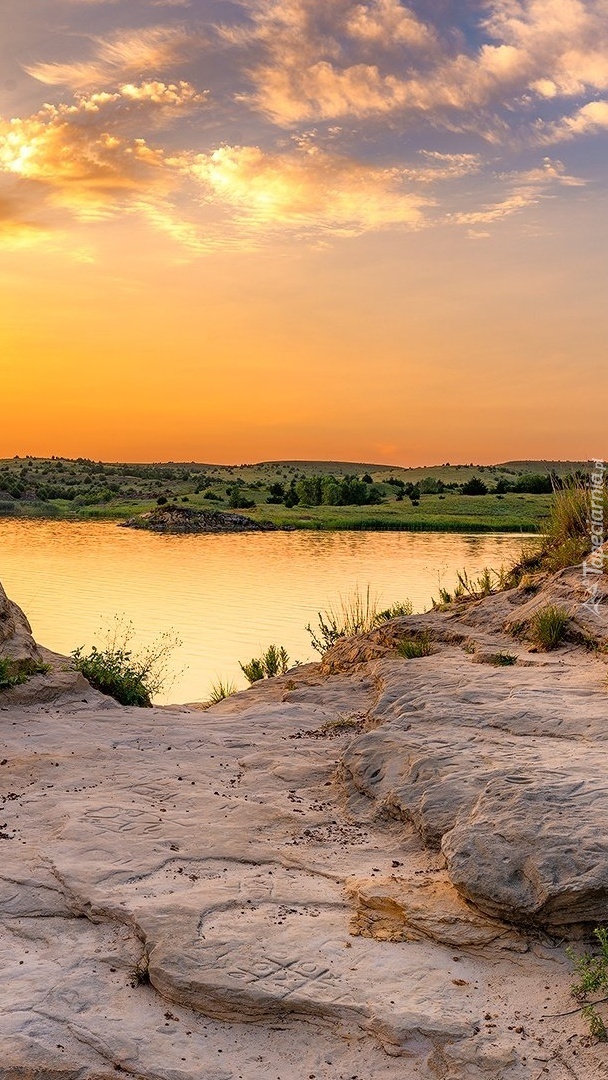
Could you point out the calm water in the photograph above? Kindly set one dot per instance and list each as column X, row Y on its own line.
column 226, row 596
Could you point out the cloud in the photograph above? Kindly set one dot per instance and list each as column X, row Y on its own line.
column 312, row 61
column 389, row 23
column 153, row 50
column 307, row 190
column 81, row 158
column 588, row 120
column 525, row 189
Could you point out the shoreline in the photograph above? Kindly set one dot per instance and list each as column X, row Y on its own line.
column 364, row 525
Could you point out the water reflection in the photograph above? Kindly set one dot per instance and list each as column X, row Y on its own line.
column 226, row 596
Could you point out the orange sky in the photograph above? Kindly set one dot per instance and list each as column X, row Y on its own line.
column 193, row 267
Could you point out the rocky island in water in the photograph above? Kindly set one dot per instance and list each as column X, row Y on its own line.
column 369, row 867
column 182, row 519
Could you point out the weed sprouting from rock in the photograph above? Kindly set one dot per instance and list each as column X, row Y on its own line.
column 274, row 661
column 411, row 648
column 548, row 627
column 592, row 972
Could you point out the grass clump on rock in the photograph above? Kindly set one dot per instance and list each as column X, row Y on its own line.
column 502, row 659
column 355, row 614
column 411, row 648
column 131, row 678
column 567, row 539
column 220, row 690
column 548, row 627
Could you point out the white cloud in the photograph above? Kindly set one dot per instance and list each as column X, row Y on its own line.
column 307, row 190
column 588, row 120
column 152, row 50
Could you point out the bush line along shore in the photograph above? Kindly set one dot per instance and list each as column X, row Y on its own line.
column 512, row 497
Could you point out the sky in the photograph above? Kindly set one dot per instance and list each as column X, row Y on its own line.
column 324, row 229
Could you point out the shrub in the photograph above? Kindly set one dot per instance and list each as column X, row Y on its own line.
column 275, row 661
column 130, row 678
column 533, row 484
column 548, row 627
column 413, row 647
column 474, row 486
column 396, row 611
column 593, row 978
column 238, row 501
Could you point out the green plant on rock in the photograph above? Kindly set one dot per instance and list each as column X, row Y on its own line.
column 16, row 672
column 548, row 627
column 411, row 648
column 220, row 690
column 353, row 614
column 592, row 972
column 488, row 582
column 357, row 613
column 275, row 661
column 502, row 659
column 131, row 678
column 395, row 611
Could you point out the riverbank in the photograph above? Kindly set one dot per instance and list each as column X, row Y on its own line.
column 435, row 513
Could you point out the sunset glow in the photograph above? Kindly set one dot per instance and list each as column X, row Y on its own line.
column 235, row 231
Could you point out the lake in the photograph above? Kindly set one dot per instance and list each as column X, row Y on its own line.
column 226, row 596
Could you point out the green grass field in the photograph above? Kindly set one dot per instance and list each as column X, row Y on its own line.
column 86, row 490
column 452, row 513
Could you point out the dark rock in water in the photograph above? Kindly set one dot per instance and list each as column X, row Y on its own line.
column 182, row 519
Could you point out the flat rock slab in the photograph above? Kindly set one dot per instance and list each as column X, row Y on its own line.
column 328, row 876
column 506, row 772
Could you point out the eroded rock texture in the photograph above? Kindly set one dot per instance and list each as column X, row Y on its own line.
column 364, row 869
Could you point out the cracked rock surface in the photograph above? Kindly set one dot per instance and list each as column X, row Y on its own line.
column 366, row 868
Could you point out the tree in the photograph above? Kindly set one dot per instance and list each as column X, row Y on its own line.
column 474, row 486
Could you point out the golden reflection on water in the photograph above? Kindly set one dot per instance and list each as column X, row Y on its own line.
column 226, row 596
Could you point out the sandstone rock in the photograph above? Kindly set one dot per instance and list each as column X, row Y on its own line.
column 318, row 877
column 397, row 909
column 16, row 641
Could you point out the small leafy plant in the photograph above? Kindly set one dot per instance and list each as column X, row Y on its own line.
column 395, row 611
column 275, row 661
column 131, row 678
column 413, row 647
column 592, row 974
column 548, row 627
column 14, row 673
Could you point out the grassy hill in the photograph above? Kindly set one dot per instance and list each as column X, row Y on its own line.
column 424, row 498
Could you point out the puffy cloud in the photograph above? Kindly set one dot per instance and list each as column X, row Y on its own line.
column 84, row 164
column 154, row 49
column 387, row 23
column 318, row 62
column 588, row 120
column 306, row 189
